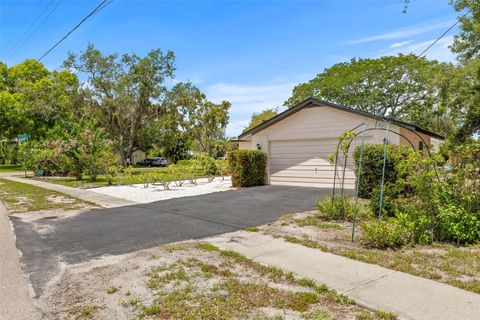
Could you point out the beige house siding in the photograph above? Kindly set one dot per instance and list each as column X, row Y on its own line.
column 298, row 146
column 245, row 145
column 138, row 155
column 413, row 138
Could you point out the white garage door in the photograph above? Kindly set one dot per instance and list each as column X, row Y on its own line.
column 305, row 163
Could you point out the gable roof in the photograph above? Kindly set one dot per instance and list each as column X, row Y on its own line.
column 312, row 102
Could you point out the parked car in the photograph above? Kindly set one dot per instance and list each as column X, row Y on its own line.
column 145, row 162
column 159, row 162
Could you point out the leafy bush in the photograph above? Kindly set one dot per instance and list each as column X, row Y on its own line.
column 223, row 169
column 388, row 232
column 419, row 224
column 208, row 164
column 389, row 194
column 112, row 172
column 43, row 158
column 248, row 167
column 456, row 224
column 372, row 165
column 90, row 151
column 340, row 209
column 429, row 203
column 178, row 173
column 335, row 209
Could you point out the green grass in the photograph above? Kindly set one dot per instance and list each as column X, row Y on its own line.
column 83, row 313
column 318, row 315
column 386, row 315
column 22, row 197
column 315, row 221
column 207, row 247
column 252, row 229
column 10, row 168
column 112, row 290
column 72, row 182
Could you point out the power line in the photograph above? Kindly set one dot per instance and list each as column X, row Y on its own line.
column 443, row 34
column 38, row 27
column 237, row 124
column 31, row 14
column 25, row 33
column 102, row 5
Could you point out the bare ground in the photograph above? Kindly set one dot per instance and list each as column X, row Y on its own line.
column 189, row 281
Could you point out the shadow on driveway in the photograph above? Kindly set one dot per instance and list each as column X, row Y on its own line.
column 127, row 229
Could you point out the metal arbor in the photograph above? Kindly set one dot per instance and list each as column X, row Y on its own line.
column 346, row 142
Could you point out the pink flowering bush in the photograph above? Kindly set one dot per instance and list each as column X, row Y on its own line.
column 90, row 152
column 82, row 152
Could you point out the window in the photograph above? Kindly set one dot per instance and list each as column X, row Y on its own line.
column 420, row 145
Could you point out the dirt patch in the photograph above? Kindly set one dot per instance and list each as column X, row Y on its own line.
column 189, row 280
column 57, row 198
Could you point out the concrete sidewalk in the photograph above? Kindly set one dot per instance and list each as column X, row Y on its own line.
column 83, row 194
column 408, row 296
column 15, row 299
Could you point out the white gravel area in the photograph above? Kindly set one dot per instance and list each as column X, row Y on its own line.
column 140, row 194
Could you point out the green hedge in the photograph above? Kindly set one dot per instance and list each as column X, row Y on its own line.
column 248, row 167
column 372, row 163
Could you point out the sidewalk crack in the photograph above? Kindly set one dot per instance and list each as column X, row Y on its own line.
column 369, row 282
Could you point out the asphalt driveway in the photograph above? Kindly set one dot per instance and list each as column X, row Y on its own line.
column 47, row 243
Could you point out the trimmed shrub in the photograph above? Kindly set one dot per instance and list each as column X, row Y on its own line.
column 248, row 167
column 372, row 164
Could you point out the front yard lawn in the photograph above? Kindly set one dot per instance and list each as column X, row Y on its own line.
column 447, row 263
column 10, row 168
column 21, row 197
column 193, row 281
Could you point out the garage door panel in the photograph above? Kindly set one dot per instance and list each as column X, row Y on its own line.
column 311, row 184
column 304, row 150
column 311, row 179
column 308, row 167
column 305, row 162
column 310, row 175
column 290, row 161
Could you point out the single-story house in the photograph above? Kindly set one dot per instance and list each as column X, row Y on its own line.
column 137, row 155
column 299, row 140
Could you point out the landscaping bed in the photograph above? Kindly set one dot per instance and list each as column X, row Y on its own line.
column 191, row 281
column 136, row 176
column 454, row 265
column 144, row 193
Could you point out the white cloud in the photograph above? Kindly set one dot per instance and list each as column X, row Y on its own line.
column 439, row 51
column 400, row 44
column 247, row 99
column 405, row 32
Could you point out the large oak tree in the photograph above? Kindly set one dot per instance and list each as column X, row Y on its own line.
column 127, row 91
column 404, row 87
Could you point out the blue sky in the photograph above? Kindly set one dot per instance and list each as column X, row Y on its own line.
column 251, row 53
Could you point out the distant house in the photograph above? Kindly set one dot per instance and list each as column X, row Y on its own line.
column 137, row 155
column 299, row 140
